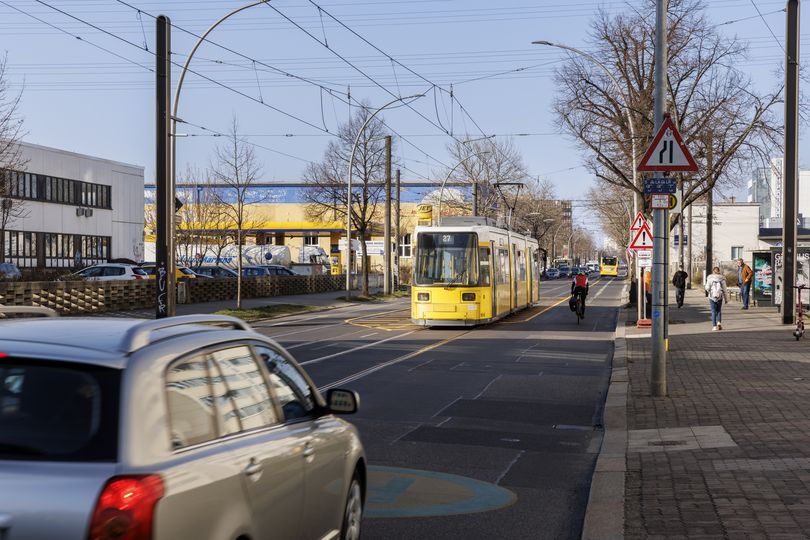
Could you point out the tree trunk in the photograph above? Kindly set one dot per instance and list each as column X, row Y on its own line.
column 364, row 282
column 689, row 250
column 239, row 268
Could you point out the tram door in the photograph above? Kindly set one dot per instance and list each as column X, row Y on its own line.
column 514, row 277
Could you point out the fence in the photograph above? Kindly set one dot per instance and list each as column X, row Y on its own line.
column 72, row 297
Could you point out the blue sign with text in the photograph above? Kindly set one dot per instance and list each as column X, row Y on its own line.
column 660, row 185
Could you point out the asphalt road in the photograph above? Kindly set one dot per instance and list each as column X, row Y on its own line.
column 516, row 404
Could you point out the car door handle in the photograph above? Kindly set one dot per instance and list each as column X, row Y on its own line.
column 253, row 468
column 309, row 451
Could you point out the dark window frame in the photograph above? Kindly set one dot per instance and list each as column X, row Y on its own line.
column 51, row 189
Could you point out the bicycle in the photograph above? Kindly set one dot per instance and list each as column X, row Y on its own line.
column 799, row 332
column 579, row 308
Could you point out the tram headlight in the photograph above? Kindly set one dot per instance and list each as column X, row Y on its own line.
column 468, row 297
column 423, row 297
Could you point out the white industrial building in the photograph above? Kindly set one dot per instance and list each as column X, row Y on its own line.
column 75, row 210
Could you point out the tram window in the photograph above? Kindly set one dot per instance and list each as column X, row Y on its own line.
column 502, row 266
column 446, row 258
column 521, row 265
column 483, row 267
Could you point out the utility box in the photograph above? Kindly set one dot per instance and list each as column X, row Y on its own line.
column 182, row 292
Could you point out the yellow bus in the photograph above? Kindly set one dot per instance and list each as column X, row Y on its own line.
column 609, row 266
column 467, row 272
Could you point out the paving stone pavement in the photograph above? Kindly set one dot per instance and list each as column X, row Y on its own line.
column 750, row 382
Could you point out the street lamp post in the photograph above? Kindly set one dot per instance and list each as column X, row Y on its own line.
column 446, row 178
column 631, row 125
column 349, row 190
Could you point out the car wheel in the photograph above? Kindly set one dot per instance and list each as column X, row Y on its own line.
column 353, row 513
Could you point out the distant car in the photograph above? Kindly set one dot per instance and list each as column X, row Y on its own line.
column 180, row 272
column 565, row 271
column 215, row 272
column 552, row 273
column 190, row 427
column 109, row 272
column 9, row 272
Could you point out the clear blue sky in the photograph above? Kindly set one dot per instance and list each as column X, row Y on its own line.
column 81, row 98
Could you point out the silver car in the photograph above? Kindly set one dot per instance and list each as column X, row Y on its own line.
column 188, row 427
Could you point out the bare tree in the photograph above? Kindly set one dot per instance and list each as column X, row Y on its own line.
column 482, row 164
column 327, row 192
column 235, row 167
column 536, row 212
column 12, row 162
column 724, row 121
column 201, row 221
column 611, row 204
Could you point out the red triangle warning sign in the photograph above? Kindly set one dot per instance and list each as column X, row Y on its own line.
column 667, row 153
column 643, row 239
column 639, row 222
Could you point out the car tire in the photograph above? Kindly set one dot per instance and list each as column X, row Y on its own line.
column 353, row 511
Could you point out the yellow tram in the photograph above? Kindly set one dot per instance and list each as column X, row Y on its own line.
column 467, row 272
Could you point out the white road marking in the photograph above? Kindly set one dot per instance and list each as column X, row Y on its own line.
column 361, row 347
column 481, row 393
column 368, row 335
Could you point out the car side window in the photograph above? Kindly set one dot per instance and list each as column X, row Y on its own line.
column 227, row 417
column 289, row 385
column 113, row 271
column 191, row 405
column 91, row 272
column 246, row 387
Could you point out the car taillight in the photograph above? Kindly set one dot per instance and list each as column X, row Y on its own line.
column 468, row 297
column 126, row 507
column 423, row 296
column 137, row 276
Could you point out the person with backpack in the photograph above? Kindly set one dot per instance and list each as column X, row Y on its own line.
column 679, row 282
column 716, row 292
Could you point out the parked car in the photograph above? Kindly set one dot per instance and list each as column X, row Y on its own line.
column 108, row 272
column 180, row 272
column 266, row 270
column 185, row 427
column 215, row 272
column 552, row 273
column 565, row 271
column 278, row 270
column 9, row 272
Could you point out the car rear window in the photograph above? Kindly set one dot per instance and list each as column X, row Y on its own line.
column 58, row 411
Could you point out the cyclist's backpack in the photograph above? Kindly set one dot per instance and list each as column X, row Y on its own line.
column 572, row 303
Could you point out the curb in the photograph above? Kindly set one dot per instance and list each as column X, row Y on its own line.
column 604, row 514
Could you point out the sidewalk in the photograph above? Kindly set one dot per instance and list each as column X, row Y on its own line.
column 727, row 453
column 327, row 300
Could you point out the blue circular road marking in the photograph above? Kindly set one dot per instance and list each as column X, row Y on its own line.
column 395, row 492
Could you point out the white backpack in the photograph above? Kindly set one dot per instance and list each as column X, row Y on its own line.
column 715, row 290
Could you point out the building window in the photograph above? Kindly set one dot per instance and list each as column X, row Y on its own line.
column 736, row 252
column 405, row 246
column 21, row 248
column 58, row 190
column 310, row 240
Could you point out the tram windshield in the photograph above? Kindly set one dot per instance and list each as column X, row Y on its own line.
column 447, row 258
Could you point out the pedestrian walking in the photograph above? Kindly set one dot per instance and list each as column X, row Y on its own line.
column 648, row 293
column 679, row 282
column 717, row 292
column 745, row 276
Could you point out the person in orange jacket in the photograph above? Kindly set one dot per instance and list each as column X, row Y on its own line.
column 745, row 277
column 648, row 293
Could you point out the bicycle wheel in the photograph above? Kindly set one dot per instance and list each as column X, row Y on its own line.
column 579, row 309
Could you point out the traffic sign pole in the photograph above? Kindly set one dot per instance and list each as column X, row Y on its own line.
column 658, row 382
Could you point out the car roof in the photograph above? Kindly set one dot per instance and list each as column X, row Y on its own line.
column 99, row 340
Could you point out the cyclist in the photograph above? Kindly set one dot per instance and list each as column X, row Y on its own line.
column 579, row 286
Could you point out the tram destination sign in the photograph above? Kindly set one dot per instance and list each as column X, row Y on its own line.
column 660, row 184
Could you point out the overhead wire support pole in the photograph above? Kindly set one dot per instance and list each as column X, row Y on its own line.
column 164, row 193
column 658, row 381
column 387, row 225
column 789, row 201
